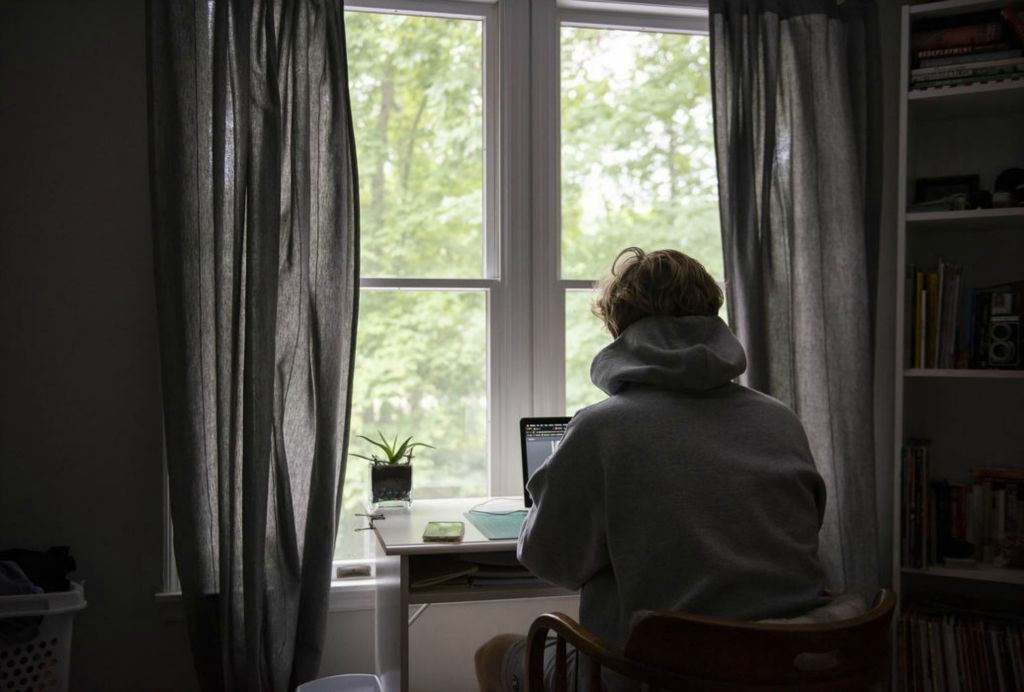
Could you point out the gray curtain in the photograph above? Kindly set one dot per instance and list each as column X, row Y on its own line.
column 256, row 248
column 796, row 96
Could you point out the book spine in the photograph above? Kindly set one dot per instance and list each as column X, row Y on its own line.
column 975, row 523
column 999, row 526
column 932, row 320
column 942, row 289
column 925, row 507
column 962, row 50
column 970, row 58
column 919, row 319
column 957, row 36
column 962, row 81
column 953, row 321
column 1012, row 517
column 905, row 513
column 987, row 549
column 975, row 65
column 961, row 72
column 1014, row 20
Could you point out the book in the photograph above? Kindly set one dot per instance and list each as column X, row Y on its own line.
column 919, row 319
column 945, row 71
column 978, row 33
column 935, row 74
column 962, row 81
column 964, row 50
column 440, row 570
column 949, row 319
column 1014, row 20
column 932, row 319
column 999, row 474
column 984, row 57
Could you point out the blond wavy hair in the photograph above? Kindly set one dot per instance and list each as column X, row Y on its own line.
column 661, row 282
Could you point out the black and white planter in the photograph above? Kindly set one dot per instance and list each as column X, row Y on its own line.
column 391, row 485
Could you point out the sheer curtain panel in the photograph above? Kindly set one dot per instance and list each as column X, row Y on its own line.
column 796, row 99
column 256, row 233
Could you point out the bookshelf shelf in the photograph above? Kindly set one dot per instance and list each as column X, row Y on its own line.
column 951, row 7
column 965, row 374
column 995, row 98
column 980, row 573
column 970, row 220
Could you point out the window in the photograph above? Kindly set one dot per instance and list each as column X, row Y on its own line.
column 493, row 194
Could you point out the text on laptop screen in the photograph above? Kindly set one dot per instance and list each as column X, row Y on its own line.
column 541, row 441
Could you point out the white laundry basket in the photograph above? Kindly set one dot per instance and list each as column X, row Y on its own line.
column 352, row 682
column 35, row 640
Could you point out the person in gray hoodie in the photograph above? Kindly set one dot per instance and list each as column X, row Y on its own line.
column 681, row 491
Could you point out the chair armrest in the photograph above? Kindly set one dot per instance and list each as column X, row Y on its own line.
column 600, row 653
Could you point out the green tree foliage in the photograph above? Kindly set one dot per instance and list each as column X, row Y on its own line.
column 417, row 103
column 638, row 166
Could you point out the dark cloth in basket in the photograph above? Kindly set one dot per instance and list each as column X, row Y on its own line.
column 48, row 569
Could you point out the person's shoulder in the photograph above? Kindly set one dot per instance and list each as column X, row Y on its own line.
column 770, row 409
column 598, row 416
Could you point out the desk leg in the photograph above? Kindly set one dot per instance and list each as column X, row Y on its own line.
column 392, row 645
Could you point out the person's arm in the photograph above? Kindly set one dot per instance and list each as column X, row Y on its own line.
column 563, row 539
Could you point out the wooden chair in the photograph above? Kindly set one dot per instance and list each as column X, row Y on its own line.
column 676, row 651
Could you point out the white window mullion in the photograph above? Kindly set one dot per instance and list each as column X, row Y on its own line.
column 548, row 298
column 511, row 323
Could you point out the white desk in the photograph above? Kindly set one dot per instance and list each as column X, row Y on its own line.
column 399, row 545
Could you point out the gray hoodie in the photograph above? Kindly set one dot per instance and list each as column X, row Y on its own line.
column 682, row 491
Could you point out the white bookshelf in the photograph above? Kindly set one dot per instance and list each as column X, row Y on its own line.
column 967, row 99
column 965, row 373
column 967, row 221
column 973, row 417
column 999, row 575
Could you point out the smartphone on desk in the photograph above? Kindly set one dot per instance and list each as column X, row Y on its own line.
column 444, row 531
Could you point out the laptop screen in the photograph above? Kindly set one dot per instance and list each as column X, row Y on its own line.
column 540, row 438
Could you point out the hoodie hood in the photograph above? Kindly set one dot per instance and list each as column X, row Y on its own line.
column 689, row 354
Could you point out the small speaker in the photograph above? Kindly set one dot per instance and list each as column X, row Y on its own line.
column 1004, row 341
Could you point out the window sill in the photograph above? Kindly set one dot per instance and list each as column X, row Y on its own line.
column 346, row 595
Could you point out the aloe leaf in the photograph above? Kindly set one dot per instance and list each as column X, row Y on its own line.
column 402, row 449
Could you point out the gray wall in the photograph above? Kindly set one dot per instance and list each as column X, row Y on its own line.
column 80, row 445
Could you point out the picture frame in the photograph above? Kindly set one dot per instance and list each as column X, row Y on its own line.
column 931, row 189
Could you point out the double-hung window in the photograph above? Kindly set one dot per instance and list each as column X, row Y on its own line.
column 507, row 152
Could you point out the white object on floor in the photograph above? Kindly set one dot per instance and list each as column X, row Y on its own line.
column 350, row 682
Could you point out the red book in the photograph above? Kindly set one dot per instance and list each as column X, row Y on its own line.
column 1015, row 22
column 956, row 36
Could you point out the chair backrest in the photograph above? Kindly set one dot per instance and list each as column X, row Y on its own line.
column 676, row 651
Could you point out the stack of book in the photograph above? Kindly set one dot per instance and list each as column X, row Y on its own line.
column 914, row 529
column 960, row 650
column 960, row 524
column 935, row 302
column 967, row 49
column 480, row 569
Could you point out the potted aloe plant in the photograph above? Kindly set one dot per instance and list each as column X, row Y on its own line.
column 391, row 470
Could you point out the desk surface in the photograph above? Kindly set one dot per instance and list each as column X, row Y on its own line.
column 401, row 531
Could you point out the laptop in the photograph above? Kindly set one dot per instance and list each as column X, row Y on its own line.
column 539, row 437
